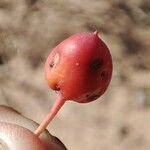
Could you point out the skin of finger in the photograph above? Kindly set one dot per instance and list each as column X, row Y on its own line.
column 14, row 137
column 9, row 115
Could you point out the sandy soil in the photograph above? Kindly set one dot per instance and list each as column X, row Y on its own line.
column 29, row 29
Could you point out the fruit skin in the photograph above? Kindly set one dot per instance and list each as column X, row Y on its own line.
column 80, row 67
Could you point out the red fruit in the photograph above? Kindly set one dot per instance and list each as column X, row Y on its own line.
column 80, row 68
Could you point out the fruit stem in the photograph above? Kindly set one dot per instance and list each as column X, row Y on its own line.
column 56, row 107
column 96, row 32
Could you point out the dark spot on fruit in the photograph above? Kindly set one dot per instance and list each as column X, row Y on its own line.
column 55, row 61
column 51, row 64
column 87, row 96
column 103, row 74
column 57, row 88
column 92, row 97
column 96, row 64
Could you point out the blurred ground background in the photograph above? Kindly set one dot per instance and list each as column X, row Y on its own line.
column 29, row 29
